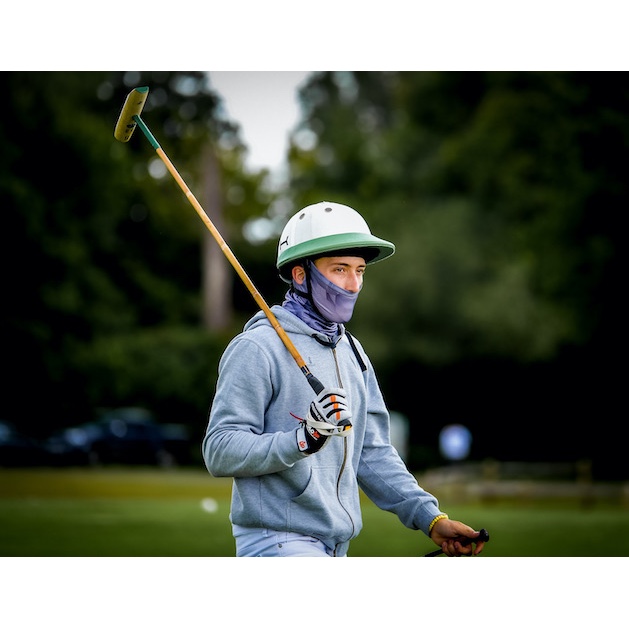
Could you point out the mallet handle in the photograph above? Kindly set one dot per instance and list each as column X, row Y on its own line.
column 314, row 382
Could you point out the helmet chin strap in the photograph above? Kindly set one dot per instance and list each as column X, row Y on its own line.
column 308, row 291
column 308, row 281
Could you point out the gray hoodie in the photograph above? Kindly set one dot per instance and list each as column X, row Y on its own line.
column 252, row 436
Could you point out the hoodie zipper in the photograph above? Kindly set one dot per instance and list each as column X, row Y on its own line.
column 344, row 462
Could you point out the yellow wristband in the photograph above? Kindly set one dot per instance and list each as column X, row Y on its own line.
column 443, row 516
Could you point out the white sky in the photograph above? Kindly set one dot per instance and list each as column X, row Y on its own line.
column 265, row 105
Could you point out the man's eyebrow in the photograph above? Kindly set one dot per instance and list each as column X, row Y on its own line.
column 348, row 265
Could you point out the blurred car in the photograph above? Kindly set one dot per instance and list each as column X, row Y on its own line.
column 18, row 449
column 127, row 436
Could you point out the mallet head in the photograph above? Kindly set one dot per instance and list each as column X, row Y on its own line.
column 133, row 106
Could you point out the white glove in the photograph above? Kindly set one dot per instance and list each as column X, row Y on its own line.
column 328, row 416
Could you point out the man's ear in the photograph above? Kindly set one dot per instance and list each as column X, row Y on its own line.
column 299, row 274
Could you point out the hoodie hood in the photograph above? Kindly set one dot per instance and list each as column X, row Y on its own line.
column 292, row 324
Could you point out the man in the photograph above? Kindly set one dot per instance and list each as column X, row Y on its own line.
column 299, row 459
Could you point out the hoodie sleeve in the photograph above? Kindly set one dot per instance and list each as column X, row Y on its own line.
column 235, row 443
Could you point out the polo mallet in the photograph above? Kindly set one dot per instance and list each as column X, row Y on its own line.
column 466, row 541
column 127, row 121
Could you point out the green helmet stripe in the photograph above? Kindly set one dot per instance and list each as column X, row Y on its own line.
column 335, row 242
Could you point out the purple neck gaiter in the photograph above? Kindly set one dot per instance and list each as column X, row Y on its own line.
column 301, row 306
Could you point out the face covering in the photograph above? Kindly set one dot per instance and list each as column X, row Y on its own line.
column 301, row 306
column 335, row 303
column 323, row 301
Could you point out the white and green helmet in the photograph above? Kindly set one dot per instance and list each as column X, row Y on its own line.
column 327, row 227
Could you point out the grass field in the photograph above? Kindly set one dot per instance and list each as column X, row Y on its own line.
column 112, row 512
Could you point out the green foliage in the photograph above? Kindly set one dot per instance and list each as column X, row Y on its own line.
column 104, row 276
column 502, row 193
column 485, row 183
column 170, row 370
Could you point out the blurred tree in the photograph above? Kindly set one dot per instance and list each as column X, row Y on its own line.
column 108, row 245
column 500, row 191
column 483, row 182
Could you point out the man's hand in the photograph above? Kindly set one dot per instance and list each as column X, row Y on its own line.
column 328, row 416
column 447, row 534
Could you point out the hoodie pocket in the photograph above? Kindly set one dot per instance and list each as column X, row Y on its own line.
column 324, row 509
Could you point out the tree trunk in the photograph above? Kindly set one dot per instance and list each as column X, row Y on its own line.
column 216, row 272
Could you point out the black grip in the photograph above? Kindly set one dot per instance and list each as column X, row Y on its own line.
column 483, row 536
column 316, row 385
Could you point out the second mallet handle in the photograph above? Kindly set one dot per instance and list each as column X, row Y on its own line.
column 466, row 541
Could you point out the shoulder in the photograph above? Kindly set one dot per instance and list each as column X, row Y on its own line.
column 261, row 324
column 260, row 336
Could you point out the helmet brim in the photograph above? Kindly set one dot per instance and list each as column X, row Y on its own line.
column 337, row 242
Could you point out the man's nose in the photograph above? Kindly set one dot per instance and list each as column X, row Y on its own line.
column 354, row 282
